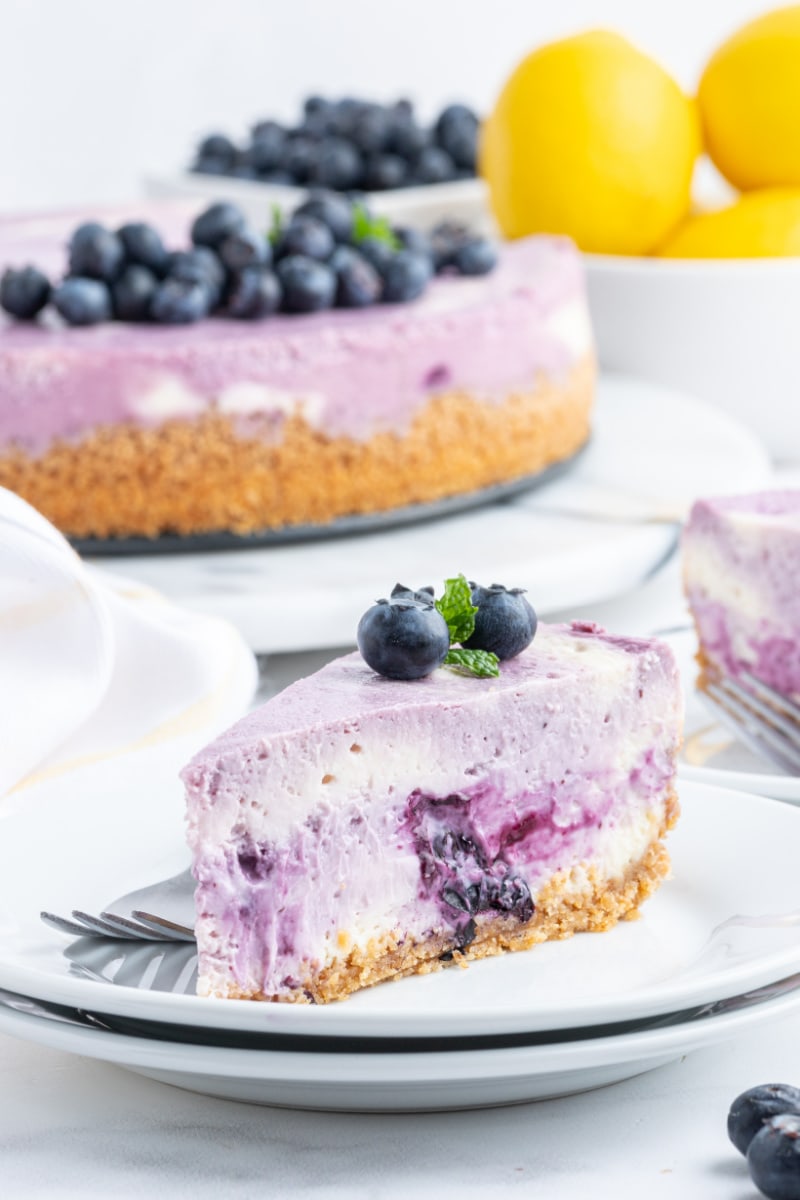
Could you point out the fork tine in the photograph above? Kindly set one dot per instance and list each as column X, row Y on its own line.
column 752, row 728
column 782, row 727
column 96, row 926
column 65, row 926
column 168, row 929
column 786, row 707
column 130, row 928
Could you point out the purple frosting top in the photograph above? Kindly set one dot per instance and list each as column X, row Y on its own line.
column 352, row 373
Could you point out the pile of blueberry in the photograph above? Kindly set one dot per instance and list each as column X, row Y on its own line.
column 347, row 144
column 329, row 253
column 410, row 634
column 764, row 1125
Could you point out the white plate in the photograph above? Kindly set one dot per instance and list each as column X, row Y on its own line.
column 710, row 753
column 595, row 533
column 416, row 1081
column 726, row 922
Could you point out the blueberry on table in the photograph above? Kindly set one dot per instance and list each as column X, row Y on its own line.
column 371, row 129
column 376, row 251
column 180, row 302
column 414, row 239
column 218, row 146
column 462, row 145
column 385, row 171
column 454, row 116
column 254, row 292
column 505, row 622
column 216, row 223
column 752, row 1108
column 82, row 301
column 337, row 164
column 307, row 236
column 247, row 248
column 299, row 156
column 434, row 165
column 132, row 293
column 24, row 292
column 475, row 257
column 266, row 149
column 407, row 138
column 95, row 252
column 773, row 1158
column 143, row 245
column 406, row 276
column 332, row 209
column 308, row 285
column 358, row 284
column 445, row 240
column 404, row 637
column 200, row 265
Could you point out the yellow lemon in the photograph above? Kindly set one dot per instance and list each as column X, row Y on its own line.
column 749, row 101
column 591, row 138
column 760, row 224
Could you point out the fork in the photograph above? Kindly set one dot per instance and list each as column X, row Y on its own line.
column 131, row 917
column 766, row 721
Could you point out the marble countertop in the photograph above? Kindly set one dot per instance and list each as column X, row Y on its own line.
column 75, row 1127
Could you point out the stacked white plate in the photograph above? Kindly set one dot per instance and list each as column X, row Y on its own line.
column 715, row 951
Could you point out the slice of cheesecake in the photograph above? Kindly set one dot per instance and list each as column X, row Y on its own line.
column 356, row 829
column 741, row 569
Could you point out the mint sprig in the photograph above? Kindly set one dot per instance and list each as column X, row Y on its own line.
column 482, row 663
column 367, row 226
column 459, row 612
column 457, row 608
column 276, row 225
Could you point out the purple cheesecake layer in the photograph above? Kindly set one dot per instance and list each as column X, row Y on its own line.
column 351, row 805
column 485, row 336
column 741, row 560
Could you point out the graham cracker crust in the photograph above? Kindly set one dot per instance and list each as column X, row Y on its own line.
column 209, row 474
column 562, row 909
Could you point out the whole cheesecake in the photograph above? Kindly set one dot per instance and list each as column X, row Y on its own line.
column 125, row 429
column 741, row 570
column 356, row 829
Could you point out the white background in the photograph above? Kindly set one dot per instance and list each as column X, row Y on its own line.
column 94, row 92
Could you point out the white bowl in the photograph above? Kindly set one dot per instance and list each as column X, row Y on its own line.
column 726, row 330
column 421, row 207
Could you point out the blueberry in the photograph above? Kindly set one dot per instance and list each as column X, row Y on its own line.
column 265, row 152
column 254, row 292
column 406, row 276
column 95, row 252
column 307, row 236
column 376, row 251
column 132, row 293
column 408, row 139
column 358, row 284
column 461, row 143
column 247, row 248
column 180, row 302
column 404, row 637
column 315, row 104
column 337, row 165
column 475, row 257
column 200, row 265
column 385, row 171
column 773, row 1158
column 752, row 1108
column 505, row 623
column 454, row 116
column 414, row 239
column 143, row 245
column 299, row 156
column 371, row 129
column 24, row 292
column 434, row 165
column 216, row 223
column 308, row 285
column 209, row 166
column 446, row 238
column 332, row 209
column 83, row 301
column 218, row 146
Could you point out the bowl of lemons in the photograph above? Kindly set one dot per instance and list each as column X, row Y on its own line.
column 687, row 208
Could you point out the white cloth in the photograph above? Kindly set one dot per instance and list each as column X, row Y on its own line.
column 92, row 665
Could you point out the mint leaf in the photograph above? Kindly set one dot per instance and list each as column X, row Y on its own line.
column 457, row 608
column 482, row 663
column 365, row 226
column 276, row 225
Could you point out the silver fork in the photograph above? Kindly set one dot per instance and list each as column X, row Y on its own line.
column 160, row 912
column 766, row 721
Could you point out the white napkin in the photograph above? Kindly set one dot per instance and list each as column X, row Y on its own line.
column 93, row 666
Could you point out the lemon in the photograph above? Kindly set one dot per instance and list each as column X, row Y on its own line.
column 759, row 224
column 749, row 101
column 591, row 138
